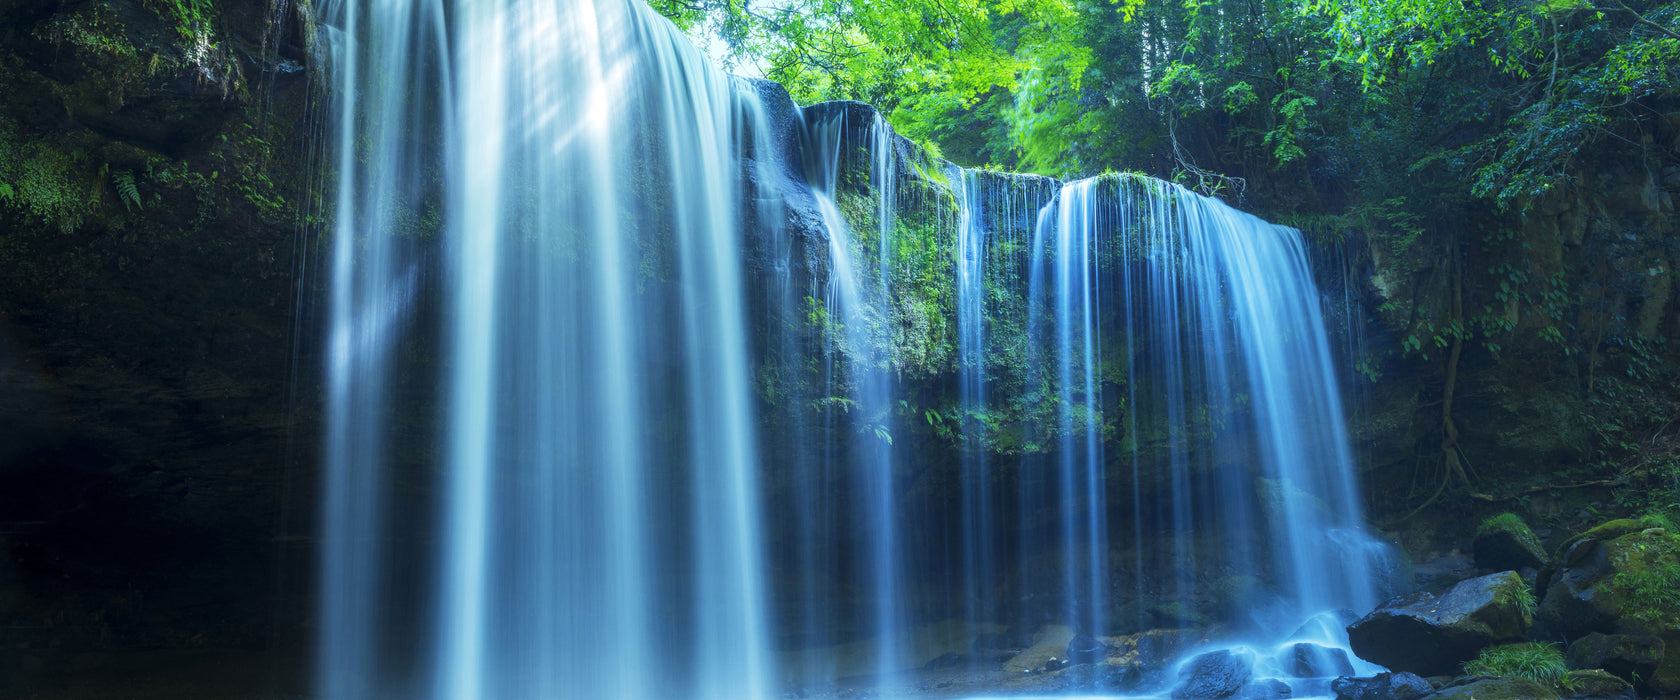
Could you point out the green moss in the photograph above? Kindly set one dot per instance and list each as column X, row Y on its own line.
column 1603, row 533
column 1513, row 525
column 47, row 182
column 1647, row 583
column 1504, row 522
column 1538, row 662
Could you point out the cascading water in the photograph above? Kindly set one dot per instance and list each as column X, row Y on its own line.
column 596, row 510
column 1222, row 369
column 869, row 390
column 735, row 402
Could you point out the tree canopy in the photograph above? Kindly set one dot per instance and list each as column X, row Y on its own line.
column 1222, row 93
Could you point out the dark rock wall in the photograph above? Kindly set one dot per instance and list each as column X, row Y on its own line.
column 156, row 413
column 1564, row 384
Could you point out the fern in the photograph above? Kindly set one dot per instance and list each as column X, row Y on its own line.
column 127, row 191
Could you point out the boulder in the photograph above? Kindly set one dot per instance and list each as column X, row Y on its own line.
column 1597, row 684
column 1494, row 688
column 1616, row 580
column 1383, row 686
column 1086, row 649
column 1432, row 635
column 1307, row 660
column 1439, row 573
column 1214, row 675
column 1627, row 656
column 1505, row 543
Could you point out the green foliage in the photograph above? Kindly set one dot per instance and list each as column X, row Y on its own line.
column 1660, row 519
column 1516, row 593
column 48, row 183
column 191, row 18
column 1537, row 661
column 1574, row 71
column 247, row 155
column 1651, row 582
column 127, row 191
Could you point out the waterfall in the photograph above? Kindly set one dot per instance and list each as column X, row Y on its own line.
column 1223, row 375
column 643, row 381
column 567, row 212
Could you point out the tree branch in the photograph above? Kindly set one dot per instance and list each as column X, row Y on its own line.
column 1622, row 7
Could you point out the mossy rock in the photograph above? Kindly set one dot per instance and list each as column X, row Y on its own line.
column 1494, row 688
column 1629, row 657
column 1432, row 635
column 1597, row 684
column 1504, row 542
column 1629, row 585
column 1604, row 532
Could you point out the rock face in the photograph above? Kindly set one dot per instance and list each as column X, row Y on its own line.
column 1214, row 675
column 1432, row 635
column 148, row 425
column 1619, row 584
column 1383, row 686
column 1495, row 688
column 1627, row 656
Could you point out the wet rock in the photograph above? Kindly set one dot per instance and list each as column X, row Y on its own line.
column 1312, row 687
column 1214, row 675
column 1325, row 625
column 1441, row 572
column 1154, row 647
column 1505, row 543
column 1627, row 656
column 1383, row 686
column 1139, row 677
column 1597, row 684
column 1494, row 688
column 1307, row 660
column 1085, row 649
column 1108, row 678
column 1266, row 689
column 1431, row 635
column 946, row 660
column 1051, row 642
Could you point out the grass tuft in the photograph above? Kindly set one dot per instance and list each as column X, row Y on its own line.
column 1537, row 661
